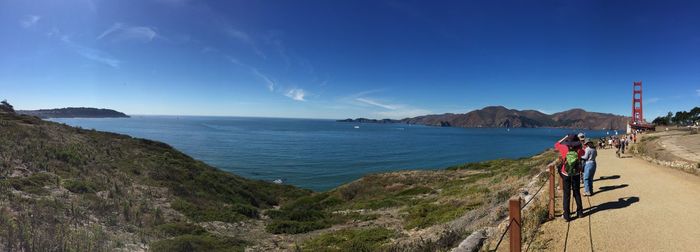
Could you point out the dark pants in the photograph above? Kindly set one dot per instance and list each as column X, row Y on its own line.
column 571, row 183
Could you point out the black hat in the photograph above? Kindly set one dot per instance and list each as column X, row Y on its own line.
column 572, row 144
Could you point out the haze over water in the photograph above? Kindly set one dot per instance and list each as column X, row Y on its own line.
column 322, row 154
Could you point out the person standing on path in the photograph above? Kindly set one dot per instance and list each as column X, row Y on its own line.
column 589, row 167
column 622, row 145
column 567, row 146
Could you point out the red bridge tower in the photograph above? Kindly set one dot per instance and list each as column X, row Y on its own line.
column 637, row 122
column 637, row 114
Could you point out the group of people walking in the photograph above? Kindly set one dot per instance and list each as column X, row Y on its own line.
column 619, row 142
column 577, row 156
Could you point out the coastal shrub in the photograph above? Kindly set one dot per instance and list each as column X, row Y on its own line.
column 206, row 242
column 355, row 216
column 213, row 212
column 33, row 184
column 79, row 186
column 68, row 155
column 427, row 214
column 295, row 227
column 304, row 214
column 349, row 191
column 379, row 203
column 416, row 191
column 470, row 166
column 368, row 239
column 180, row 228
column 446, row 240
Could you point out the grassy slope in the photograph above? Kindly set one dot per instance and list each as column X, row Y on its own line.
column 423, row 200
column 65, row 187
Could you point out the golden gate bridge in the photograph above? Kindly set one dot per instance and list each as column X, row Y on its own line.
column 637, row 121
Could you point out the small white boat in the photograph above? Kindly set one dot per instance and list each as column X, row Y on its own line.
column 357, row 127
column 277, row 181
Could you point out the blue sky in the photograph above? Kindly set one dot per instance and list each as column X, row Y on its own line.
column 339, row 59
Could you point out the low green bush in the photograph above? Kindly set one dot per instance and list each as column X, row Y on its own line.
column 428, row 214
column 180, row 228
column 207, row 242
column 296, row 227
column 80, row 186
column 304, row 214
column 213, row 211
column 33, row 184
column 416, row 191
column 370, row 239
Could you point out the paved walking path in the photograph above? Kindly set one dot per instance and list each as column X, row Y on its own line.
column 637, row 206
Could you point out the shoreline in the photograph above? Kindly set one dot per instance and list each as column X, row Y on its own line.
column 399, row 163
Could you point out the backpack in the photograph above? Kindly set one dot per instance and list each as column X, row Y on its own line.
column 571, row 162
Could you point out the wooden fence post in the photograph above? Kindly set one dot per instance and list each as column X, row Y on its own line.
column 515, row 224
column 551, row 192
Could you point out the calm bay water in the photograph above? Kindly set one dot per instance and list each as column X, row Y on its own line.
column 322, row 154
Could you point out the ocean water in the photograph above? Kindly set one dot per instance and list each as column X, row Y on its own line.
column 322, row 154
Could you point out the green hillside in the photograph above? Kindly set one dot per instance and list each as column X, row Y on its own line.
column 68, row 188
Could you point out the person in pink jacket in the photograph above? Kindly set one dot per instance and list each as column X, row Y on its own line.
column 572, row 182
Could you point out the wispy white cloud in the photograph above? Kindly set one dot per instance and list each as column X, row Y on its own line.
column 236, row 61
column 698, row 92
column 296, row 94
column 381, row 109
column 388, row 110
column 246, row 39
column 376, row 103
column 351, row 98
column 92, row 53
column 653, row 100
column 29, row 20
column 238, row 34
column 268, row 81
column 119, row 32
column 53, row 32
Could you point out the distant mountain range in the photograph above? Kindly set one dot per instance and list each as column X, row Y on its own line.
column 502, row 117
column 73, row 113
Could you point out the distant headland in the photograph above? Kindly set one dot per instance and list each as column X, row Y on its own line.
column 502, row 117
column 74, row 113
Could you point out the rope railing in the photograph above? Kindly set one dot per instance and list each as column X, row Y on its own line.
column 519, row 222
column 503, row 235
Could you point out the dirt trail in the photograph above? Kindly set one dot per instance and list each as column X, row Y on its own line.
column 637, row 206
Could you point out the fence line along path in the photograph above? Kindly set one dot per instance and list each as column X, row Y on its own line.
column 636, row 206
